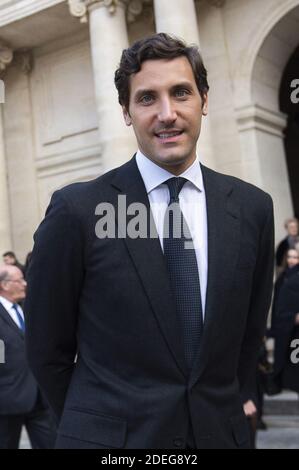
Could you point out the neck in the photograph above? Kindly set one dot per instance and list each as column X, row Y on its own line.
column 178, row 169
column 7, row 297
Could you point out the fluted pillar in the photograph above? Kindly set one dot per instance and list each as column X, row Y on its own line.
column 177, row 17
column 108, row 38
column 5, row 232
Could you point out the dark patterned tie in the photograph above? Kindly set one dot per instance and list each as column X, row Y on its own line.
column 183, row 270
column 20, row 318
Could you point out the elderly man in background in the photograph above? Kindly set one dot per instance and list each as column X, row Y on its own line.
column 20, row 400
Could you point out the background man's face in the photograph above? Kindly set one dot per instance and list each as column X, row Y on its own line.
column 14, row 287
column 10, row 260
column 292, row 258
column 165, row 110
column 292, row 229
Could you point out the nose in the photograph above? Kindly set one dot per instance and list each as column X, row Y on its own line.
column 167, row 113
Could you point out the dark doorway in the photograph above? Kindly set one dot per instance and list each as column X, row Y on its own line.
column 291, row 138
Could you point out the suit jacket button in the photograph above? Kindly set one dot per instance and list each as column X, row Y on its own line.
column 178, row 442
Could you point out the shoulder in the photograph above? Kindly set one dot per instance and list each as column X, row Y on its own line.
column 2, row 308
column 238, row 185
column 293, row 280
column 85, row 191
column 248, row 196
column 283, row 244
column 81, row 198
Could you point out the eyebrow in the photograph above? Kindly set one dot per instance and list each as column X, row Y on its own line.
column 148, row 91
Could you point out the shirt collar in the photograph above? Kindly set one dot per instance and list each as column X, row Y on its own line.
column 7, row 304
column 153, row 175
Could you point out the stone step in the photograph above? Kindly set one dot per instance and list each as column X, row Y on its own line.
column 286, row 403
column 282, row 433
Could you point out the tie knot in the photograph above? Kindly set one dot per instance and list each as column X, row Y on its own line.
column 175, row 185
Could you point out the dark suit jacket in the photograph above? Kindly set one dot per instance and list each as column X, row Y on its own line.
column 281, row 252
column 286, row 309
column 110, row 301
column 18, row 389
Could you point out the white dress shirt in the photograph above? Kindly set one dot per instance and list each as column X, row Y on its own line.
column 192, row 204
column 11, row 311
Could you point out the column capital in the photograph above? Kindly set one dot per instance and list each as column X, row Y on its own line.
column 134, row 8
column 21, row 58
column 6, row 56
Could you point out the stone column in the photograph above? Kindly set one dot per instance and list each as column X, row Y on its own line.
column 108, row 38
column 6, row 56
column 20, row 151
column 5, row 234
column 177, row 17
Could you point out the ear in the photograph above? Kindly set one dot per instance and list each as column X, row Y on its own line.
column 3, row 286
column 205, row 104
column 127, row 116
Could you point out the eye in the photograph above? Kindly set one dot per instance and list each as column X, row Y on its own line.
column 146, row 99
column 181, row 93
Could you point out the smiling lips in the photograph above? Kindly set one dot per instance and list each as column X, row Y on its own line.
column 169, row 135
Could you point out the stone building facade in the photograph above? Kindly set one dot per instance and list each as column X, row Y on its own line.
column 60, row 121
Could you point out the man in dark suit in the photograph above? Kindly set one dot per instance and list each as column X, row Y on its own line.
column 20, row 400
column 291, row 241
column 165, row 326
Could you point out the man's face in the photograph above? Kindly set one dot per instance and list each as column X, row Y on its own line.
column 10, row 260
column 292, row 258
column 13, row 287
column 293, row 229
column 165, row 111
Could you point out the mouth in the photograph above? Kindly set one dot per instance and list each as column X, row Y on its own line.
column 169, row 136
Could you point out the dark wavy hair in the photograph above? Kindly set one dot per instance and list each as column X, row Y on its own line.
column 157, row 46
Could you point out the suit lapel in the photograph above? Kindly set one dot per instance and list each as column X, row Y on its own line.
column 7, row 318
column 223, row 248
column 148, row 258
